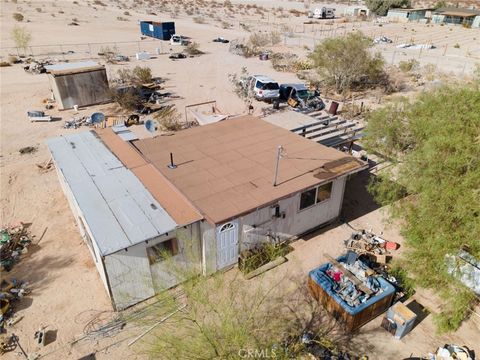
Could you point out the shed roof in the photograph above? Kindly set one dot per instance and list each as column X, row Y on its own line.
column 226, row 169
column 72, row 68
column 454, row 11
column 118, row 209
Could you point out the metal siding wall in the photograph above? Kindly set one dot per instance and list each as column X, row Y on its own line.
column 129, row 276
column 78, row 213
column 209, row 248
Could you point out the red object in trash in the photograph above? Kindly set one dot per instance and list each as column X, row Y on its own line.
column 390, row 245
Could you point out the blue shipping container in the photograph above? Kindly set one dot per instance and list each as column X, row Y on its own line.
column 158, row 30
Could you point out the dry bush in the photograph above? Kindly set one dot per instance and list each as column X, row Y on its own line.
column 126, row 13
column 120, row 18
column 127, row 99
column 99, row 3
column 5, row 64
column 409, row 65
column 38, row 10
column 199, row 20
column 108, row 54
column 192, row 49
column 168, row 118
column 18, row 17
column 142, row 74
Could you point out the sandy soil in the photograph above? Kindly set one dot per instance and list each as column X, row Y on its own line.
column 66, row 289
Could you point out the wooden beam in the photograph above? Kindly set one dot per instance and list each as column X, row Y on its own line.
column 356, row 281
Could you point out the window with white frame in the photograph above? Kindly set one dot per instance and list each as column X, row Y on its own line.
column 162, row 251
column 316, row 195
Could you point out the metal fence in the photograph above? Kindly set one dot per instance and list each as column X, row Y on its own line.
column 88, row 50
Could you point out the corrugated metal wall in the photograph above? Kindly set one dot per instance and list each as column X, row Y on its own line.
column 80, row 89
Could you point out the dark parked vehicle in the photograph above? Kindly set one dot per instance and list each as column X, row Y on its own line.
column 221, row 40
column 297, row 95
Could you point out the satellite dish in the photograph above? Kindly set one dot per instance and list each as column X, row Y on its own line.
column 151, row 125
column 97, row 118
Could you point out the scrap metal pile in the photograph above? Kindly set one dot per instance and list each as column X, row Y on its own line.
column 36, row 66
column 353, row 280
column 10, row 291
column 14, row 241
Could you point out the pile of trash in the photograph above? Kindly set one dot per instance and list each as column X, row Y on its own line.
column 466, row 268
column 10, row 291
column 14, row 241
column 382, row 40
column 451, row 352
column 365, row 242
column 358, row 292
column 76, row 122
column 36, row 66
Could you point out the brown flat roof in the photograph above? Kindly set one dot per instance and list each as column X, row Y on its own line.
column 226, row 169
column 175, row 204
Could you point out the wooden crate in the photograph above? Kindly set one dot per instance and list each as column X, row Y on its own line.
column 351, row 322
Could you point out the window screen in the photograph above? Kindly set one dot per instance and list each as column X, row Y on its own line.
column 307, row 198
column 161, row 251
column 324, row 192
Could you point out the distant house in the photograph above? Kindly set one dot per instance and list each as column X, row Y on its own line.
column 458, row 16
column 80, row 83
column 405, row 15
column 222, row 195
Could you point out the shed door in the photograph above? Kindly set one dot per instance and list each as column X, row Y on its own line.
column 227, row 244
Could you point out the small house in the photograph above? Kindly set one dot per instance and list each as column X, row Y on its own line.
column 202, row 195
column 405, row 15
column 158, row 30
column 457, row 16
column 80, row 83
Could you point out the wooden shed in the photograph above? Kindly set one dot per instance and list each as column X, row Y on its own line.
column 81, row 83
column 353, row 317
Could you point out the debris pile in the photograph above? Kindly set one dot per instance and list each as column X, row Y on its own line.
column 466, row 268
column 365, row 242
column 14, row 241
column 353, row 280
column 36, row 66
column 451, row 352
column 76, row 122
column 11, row 291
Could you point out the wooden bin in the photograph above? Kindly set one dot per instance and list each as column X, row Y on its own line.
column 351, row 322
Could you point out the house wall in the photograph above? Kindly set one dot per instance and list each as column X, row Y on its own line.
column 262, row 226
column 476, row 22
column 132, row 278
column 438, row 19
column 258, row 225
column 400, row 16
column 80, row 89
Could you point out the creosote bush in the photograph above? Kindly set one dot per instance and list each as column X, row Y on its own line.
column 18, row 17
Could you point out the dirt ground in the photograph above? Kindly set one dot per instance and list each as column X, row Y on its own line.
column 66, row 289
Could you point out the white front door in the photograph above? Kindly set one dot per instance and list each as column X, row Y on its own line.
column 227, row 244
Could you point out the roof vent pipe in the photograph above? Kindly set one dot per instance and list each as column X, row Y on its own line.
column 171, row 165
column 277, row 164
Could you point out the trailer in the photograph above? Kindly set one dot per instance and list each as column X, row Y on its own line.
column 322, row 13
column 157, row 30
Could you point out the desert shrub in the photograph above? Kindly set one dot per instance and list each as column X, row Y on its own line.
column 38, row 10
column 108, row 53
column 193, row 49
column 347, row 64
column 168, row 118
column 199, row 20
column 127, row 99
column 456, row 46
column 409, row 65
column 252, row 259
column 142, row 74
column 126, row 13
column 225, row 25
column 5, row 64
column 99, row 3
column 22, row 37
column 18, row 17
column 275, row 37
column 381, row 7
column 120, row 18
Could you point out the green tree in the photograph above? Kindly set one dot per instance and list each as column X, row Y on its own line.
column 436, row 141
column 381, row 7
column 347, row 63
column 22, row 37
